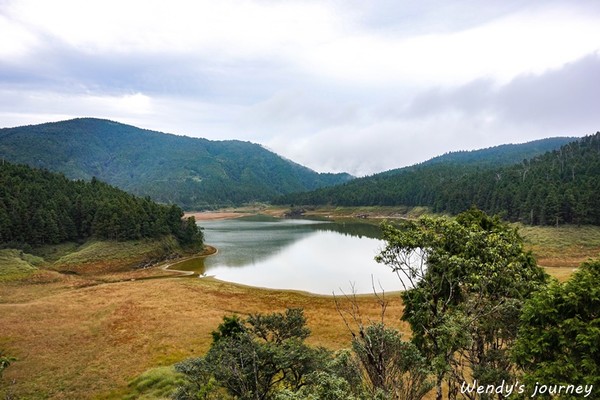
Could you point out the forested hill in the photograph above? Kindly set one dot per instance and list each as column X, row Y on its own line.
column 39, row 207
column 559, row 186
column 504, row 154
column 491, row 157
column 191, row 172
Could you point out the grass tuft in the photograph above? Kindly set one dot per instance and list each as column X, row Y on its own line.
column 15, row 264
column 156, row 383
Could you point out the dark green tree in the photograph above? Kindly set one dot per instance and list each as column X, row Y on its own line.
column 255, row 360
column 38, row 207
column 559, row 334
column 391, row 366
column 466, row 280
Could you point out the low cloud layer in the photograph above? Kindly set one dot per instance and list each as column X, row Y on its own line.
column 338, row 86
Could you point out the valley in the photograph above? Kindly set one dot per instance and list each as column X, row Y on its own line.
column 103, row 291
column 99, row 334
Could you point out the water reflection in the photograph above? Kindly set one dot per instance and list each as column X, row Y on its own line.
column 300, row 254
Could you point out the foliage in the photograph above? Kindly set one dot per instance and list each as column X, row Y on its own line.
column 193, row 173
column 38, row 207
column 388, row 367
column 157, row 383
column 5, row 361
column 466, row 281
column 264, row 357
column 255, row 359
column 559, row 337
column 559, row 186
column 15, row 264
column 505, row 154
column 391, row 366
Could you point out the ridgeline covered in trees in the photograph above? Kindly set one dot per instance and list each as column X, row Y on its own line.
column 559, row 186
column 194, row 173
column 39, row 207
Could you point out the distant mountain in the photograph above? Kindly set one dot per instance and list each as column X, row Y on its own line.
column 558, row 186
column 191, row 172
column 495, row 156
column 504, row 154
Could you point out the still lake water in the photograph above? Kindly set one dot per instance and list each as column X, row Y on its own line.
column 315, row 256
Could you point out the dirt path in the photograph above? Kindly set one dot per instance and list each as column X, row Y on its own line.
column 209, row 251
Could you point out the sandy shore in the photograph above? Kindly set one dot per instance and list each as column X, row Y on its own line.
column 213, row 215
column 238, row 212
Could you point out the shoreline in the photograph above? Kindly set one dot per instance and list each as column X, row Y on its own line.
column 208, row 251
column 214, row 215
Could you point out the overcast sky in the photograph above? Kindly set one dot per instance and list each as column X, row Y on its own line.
column 341, row 85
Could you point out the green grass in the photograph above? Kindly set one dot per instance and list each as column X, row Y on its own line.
column 53, row 252
column 15, row 264
column 571, row 244
column 106, row 250
column 154, row 384
column 562, row 237
column 122, row 253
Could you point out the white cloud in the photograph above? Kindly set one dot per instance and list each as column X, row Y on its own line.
column 16, row 39
column 315, row 36
column 231, row 28
column 522, row 43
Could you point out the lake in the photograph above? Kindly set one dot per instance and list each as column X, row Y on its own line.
column 320, row 257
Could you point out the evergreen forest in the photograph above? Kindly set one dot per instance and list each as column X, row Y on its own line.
column 194, row 173
column 38, row 207
column 558, row 187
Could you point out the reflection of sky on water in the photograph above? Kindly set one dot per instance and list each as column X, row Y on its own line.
column 314, row 256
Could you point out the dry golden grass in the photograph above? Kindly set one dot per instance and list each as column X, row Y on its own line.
column 86, row 336
column 75, row 341
column 560, row 250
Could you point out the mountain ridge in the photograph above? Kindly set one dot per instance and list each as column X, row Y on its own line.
column 194, row 173
column 503, row 154
column 557, row 186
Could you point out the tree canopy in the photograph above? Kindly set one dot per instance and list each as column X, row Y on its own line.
column 466, row 281
column 264, row 357
column 39, row 207
column 559, row 336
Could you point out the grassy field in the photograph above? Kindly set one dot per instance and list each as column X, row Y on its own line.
column 14, row 264
column 560, row 250
column 76, row 341
column 85, row 327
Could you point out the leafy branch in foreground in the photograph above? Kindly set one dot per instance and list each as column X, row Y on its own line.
column 254, row 359
column 264, row 357
column 390, row 367
column 467, row 280
column 559, row 337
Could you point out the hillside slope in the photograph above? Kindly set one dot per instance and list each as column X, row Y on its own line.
column 190, row 172
column 38, row 207
column 558, row 186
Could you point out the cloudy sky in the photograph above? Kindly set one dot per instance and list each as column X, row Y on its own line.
column 337, row 85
